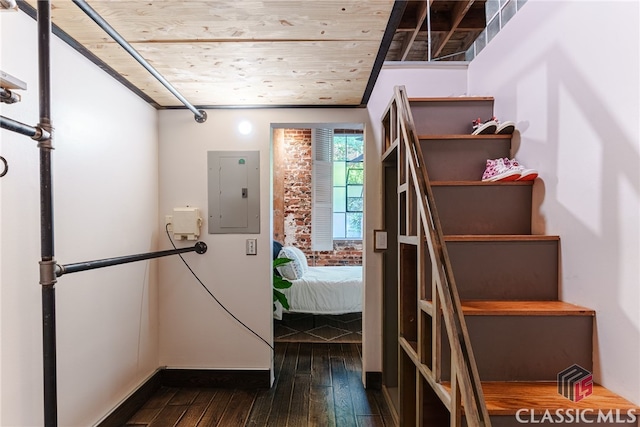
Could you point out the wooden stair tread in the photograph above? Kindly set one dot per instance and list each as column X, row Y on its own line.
column 518, row 308
column 464, row 136
column 452, row 98
column 478, row 183
column 506, row 398
column 499, row 237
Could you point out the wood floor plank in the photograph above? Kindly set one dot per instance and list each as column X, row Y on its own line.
column 364, row 402
column 385, row 411
column 143, row 416
column 238, row 408
column 264, row 400
column 304, row 360
column 370, row 421
column 282, row 399
column 320, row 366
column 299, row 409
column 169, row 416
column 345, row 417
column 153, row 406
column 161, row 398
column 321, row 409
column 317, row 384
column 216, row 408
column 196, row 410
column 184, row 396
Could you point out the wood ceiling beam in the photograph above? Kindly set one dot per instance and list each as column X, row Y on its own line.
column 474, row 19
column 458, row 13
column 409, row 38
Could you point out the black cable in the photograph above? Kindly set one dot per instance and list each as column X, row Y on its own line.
column 166, row 227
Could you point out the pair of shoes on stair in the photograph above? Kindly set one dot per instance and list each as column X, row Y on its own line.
column 493, row 126
column 505, row 169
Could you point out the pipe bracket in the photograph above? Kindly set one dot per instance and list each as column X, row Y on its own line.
column 201, row 247
column 44, row 133
column 202, row 117
column 48, row 273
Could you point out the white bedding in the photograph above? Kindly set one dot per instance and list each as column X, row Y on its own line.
column 327, row 290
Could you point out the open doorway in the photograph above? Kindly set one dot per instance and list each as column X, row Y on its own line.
column 318, row 194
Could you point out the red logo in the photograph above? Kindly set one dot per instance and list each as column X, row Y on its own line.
column 575, row 383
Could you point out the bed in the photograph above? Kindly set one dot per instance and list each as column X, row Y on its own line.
column 320, row 290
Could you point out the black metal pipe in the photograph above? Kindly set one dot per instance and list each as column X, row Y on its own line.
column 47, row 264
column 200, row 115
column 34, row 132
column 49, row 355
column 199, row 247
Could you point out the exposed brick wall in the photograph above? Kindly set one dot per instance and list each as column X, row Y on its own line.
column 345, row 252
column 292, row 201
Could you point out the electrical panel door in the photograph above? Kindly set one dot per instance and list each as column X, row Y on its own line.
column 234, row 192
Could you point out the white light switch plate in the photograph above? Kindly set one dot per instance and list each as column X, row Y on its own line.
column 252, row 246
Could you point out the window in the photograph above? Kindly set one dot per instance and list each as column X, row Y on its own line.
column 348, row 184
column 338, row 186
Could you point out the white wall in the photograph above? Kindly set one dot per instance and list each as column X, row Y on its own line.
column 105, row 198
column 194, row 331
column 567, row 72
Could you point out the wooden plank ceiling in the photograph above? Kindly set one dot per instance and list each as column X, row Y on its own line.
column 220, row 53
column 236, row 52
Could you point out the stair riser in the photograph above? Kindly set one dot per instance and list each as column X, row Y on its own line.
column 504, row 270
column 484, row 209
column 450, row 117
column 462, row 159
column 512, row 421
column 526, row 348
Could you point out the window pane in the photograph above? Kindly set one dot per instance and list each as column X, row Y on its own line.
column 354, row 147
column 354, row 225
column 354, row 191
column 481, row 41
column 339, row 147
column 491, row 7
column 339, row 231
column 354, row 204
column 339, row 199
column 339, row 174
column 507, row 12
column 355, row 173
column 492, row 28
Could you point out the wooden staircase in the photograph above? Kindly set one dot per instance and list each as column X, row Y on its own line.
column 506, row 279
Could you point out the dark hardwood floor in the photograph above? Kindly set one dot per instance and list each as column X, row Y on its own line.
column 317, row 384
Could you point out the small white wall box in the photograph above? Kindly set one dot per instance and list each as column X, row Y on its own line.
column 186, row 223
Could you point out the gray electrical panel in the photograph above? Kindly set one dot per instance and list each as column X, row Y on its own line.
column 234, row 192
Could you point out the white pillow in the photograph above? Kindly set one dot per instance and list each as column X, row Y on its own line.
column 297, row 267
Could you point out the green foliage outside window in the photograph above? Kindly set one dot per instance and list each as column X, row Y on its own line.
column 348, row 184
